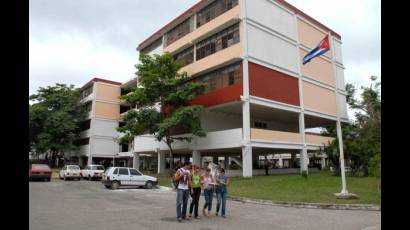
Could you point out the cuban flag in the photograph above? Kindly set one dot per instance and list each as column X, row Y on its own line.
column 322, row 48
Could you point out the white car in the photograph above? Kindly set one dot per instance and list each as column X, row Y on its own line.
column 70, row 172
column 115, row 177
column 92, row 172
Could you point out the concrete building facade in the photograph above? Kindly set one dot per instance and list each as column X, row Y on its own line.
column 260, row 99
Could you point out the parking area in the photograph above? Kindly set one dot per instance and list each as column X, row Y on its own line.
column 87, row 205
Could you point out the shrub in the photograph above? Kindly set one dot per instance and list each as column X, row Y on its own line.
column 375, row 166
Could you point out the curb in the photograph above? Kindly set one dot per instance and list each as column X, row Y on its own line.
column 366, row 207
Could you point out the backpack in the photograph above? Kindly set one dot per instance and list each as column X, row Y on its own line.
column 174, row 181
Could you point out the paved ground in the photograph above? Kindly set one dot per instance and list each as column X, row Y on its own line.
column 87, row 205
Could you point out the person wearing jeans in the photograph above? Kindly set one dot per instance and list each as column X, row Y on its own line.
column 208, row 182
column 184, row 184
column 222, row 182
column 196, row 185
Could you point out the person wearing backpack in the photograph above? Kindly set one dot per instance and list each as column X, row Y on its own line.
column 222, row 181
column 183, row 176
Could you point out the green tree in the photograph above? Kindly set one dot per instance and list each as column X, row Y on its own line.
column 54, row 120
column 161, row 84
column 361, row 138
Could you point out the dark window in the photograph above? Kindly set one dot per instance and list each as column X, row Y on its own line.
column 124, row 148
column 217, row 42
column 123, row 171
column 85, row 125
column 152, row 46
column 87, row 91
column 179, row 31
column 261, row 125
column 134, row 172
column 186, row 56
column 213, row 10
column 84, row 141
column 221, row 78
column 124, row 108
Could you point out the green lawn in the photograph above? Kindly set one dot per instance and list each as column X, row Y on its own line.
column 318, row 188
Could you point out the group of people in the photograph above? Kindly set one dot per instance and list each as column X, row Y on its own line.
column 190, row 183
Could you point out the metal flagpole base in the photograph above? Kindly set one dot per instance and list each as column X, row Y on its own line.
column 346, row 195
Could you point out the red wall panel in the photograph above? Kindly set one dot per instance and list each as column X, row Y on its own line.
column 273, row 85
column 220, row 96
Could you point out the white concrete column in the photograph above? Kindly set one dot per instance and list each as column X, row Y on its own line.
column 136, row 161
column 226, row 162
column 280, row 161
column 161, row 161
column 304, row 160
column 342, row 159
column 81, row 161
column 323, row 162
column 196, row 157
column 247, row 161
column 90, row 160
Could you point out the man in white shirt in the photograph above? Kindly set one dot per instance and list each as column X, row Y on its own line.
column 183, row 176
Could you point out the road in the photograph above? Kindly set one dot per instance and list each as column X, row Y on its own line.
column 87, row 205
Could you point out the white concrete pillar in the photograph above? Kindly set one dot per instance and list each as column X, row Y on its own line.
column 304, row 160
column 81, row 161
column 247, row 161
column 161, row 161
column 136, row 161
column 280, row 161
column 90, row 160
column 323, row 162
column 226, row 162
column 196, row 157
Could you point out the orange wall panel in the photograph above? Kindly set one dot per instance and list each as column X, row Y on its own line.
column 318, row 69
column 107, row 110
column 310, row 36
column 108, row 92
column 319, row 99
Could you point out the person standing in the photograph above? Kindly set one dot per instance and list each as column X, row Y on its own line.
column 222, row 181
column 208, row 181
column 184, row 185
column 196, row 185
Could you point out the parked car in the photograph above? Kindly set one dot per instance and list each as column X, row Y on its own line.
column 92, row 172
column 116, row 177
column 39, row 171
column 70, row 172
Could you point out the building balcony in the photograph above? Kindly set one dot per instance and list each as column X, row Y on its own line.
column 274, row 136
column 88, row 98
column 317, row 140
column 222, row 21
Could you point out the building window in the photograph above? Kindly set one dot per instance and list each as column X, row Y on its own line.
column 186, row 56
column 213, row 10
column 261, row 125
column 217, row 42
column 152, row 46
column 87, row 91
column 221, row 78
column 179, row 31
column 85, row 125
column 124, row 108
column 84, row 141
column 88, row 106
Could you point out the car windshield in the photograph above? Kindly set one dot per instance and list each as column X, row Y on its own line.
column 73, row 167
column 40, row 167
column 97, row 167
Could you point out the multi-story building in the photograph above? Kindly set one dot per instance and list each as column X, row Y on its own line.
column 99, row 136
column 260, row 99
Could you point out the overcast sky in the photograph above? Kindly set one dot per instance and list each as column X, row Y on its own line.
column 72, row 41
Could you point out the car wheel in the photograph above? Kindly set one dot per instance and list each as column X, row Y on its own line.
column 48, row 179
column 148, row 185
column 107, row 186
column 115, row 185
column 65, row 178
